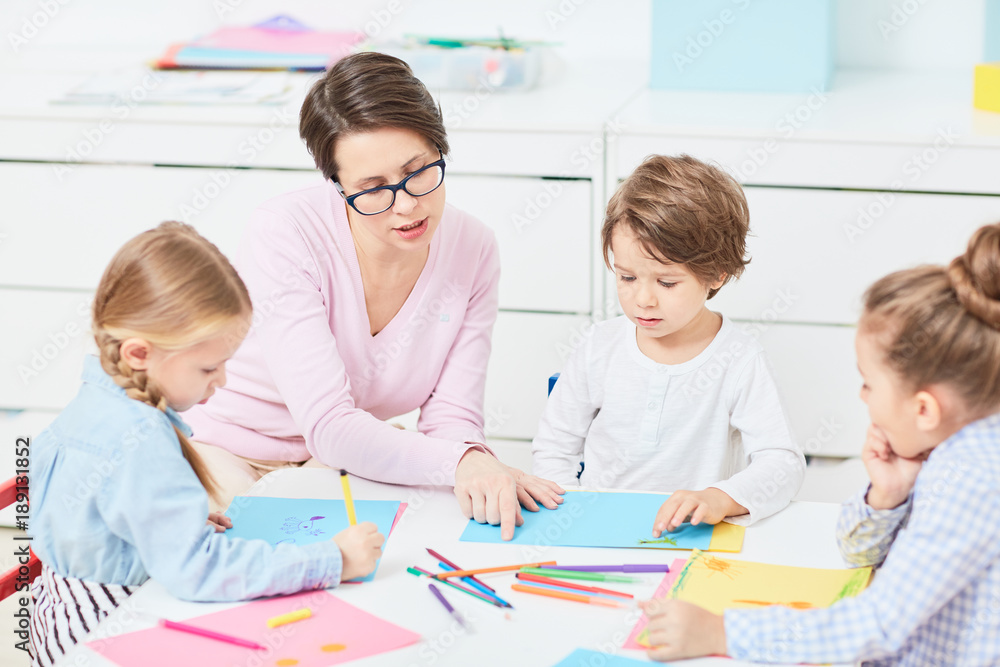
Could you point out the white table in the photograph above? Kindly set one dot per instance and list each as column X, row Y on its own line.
column 540, row 631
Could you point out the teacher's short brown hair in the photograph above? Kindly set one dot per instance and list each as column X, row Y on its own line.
column 365, row 92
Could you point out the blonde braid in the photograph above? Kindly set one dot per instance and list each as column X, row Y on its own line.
column 137, row 386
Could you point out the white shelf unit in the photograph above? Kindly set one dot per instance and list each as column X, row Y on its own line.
column 887, row 170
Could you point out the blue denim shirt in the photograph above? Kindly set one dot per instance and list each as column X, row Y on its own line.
column 114, row 501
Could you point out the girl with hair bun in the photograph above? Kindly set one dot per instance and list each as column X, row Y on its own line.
column 118, row 495
column 928, row 347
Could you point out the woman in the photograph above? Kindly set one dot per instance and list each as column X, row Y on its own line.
column 372, row 297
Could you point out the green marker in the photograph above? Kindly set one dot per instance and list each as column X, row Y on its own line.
column 586, row 576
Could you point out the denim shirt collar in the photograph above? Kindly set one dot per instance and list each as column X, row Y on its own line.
column 94, row 374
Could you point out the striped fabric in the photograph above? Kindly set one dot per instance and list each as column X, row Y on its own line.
column 65, row 611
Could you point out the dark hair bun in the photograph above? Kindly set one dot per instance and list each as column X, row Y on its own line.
column 975, row 276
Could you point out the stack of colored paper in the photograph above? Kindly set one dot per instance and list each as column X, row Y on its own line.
column 280, row 43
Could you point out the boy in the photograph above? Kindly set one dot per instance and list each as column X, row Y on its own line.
column 672, row 396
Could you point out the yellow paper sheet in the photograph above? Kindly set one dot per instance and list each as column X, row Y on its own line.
column 720, row 583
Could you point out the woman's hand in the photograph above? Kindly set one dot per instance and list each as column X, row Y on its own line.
column 491, row 492
column 892, row 475
column 360, row 548
column 680, row 630
column 220, row 521
column 709, row 506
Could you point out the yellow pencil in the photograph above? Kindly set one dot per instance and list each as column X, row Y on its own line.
column 352, row 518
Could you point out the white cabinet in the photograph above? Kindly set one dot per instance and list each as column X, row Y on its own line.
column 886, row 171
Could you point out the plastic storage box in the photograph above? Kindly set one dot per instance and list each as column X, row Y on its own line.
column 743, row 45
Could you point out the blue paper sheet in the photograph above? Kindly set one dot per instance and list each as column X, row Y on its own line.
column 585, row 658
column 595, row 519
column 303, row 520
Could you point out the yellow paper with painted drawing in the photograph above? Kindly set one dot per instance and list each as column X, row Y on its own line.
column 717, row 584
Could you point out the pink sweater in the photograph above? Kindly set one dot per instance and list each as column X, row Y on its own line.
column 310, row 379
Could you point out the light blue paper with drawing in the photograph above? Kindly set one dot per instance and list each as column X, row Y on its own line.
column 582, row 657
column 304, row 520
column 597, row 519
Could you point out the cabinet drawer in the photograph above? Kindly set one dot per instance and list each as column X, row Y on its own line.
column 62, row 228
column 819, row 382
column 546, row 239
column 816, row 251
column 527, row 349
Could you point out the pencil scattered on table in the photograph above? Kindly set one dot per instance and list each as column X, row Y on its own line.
column 210, row 634
column 447, row 605
column 352, row 518
column 575, row 597
column 482, row 596
column 633, row 568
column 456, row 567
column 586, row 576
column 487, row 570
column 538, row 579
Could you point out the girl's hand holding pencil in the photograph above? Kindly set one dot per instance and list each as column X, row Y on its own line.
column 360, row 548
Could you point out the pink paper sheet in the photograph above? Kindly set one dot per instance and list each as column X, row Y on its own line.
column 661, row 591
column 336, row 44
column 337, row 632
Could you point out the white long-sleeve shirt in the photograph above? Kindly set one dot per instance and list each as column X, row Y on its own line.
column 713, row 421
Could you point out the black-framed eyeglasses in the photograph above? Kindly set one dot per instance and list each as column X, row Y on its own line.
column 422, row 182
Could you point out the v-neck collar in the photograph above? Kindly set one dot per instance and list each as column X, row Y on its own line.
column 342, row 231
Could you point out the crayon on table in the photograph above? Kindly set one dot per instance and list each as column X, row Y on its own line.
column 290, row 617
column 634, row 568
column 486, row 570
column 496, row 602
column 565, row 584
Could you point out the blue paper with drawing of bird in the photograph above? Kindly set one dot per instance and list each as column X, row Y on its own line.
column 303, row 520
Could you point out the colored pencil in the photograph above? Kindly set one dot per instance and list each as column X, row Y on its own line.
column 218, row 636
column 352, row 518
column 586, row 576
column 536, row 590
column 565, row 584
column 635, row 568
column 476, row 594
column 471, row 582
column 486, row 570
column 447, row 605
column 456, row 567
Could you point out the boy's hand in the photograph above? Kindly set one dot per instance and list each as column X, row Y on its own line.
column 220, row 521
column 360, row 549
column 892, row 475
column 682, row 630
column 708, row 506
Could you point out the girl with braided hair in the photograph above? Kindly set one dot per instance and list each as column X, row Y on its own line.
column 118, row 494
column 928, row 348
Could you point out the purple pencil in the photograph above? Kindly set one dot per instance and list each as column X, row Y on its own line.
column 636, row 567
